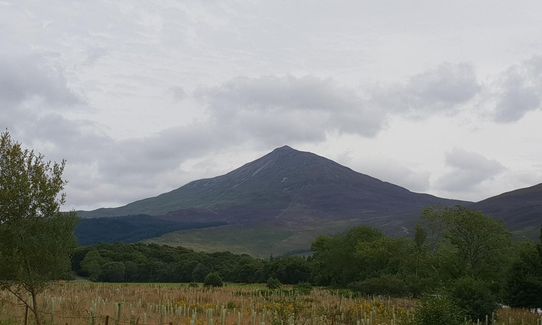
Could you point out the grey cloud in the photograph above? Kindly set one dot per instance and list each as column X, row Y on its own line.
column 444, row 88
column 519, row 91
column 177, row 93
column 30, row 78
column 467, row 170
column 289, row 108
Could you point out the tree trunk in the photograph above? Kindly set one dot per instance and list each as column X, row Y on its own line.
column 35, row 307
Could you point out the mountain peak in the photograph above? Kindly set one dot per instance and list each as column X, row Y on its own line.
column 285, row 148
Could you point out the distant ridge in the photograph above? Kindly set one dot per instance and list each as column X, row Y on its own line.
column 520, row 210
column 279, row 203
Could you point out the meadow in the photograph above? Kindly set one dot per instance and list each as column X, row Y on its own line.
column 81, row 302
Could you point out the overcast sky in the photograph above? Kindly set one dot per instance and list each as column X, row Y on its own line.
column 141, row 97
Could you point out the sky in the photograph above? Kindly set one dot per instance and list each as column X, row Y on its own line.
column 141, row 97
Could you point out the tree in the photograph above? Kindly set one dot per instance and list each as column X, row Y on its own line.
column 524, row 280
column 200, row 272
column 213, row 279
column 91, row 265
column 469, row 243
column 36, row 239
column 113, row 272
column 474, row 298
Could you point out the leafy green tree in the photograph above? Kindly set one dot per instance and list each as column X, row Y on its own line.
column 36, row 240
column 387, row 285
column 200, row 272
column 524, row 281
column 337, row 261
column 213, row 279
column 467, row 243
column 113, row 272
column 474, row 297
column 290, row 270
column 91, row 265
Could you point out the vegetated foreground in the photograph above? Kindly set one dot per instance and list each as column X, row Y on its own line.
column 91, row 303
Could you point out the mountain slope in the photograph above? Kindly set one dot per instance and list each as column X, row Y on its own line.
column 277, row 180
column 288, row 197
column 520, row 210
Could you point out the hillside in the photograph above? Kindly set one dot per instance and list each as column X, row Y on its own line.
column 280, row 203
column 520, row 210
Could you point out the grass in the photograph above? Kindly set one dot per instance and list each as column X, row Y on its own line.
column 80, row 302
column 261, row 241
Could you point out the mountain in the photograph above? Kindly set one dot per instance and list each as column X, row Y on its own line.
column 280, row 203
column 520, row 210
column 130, row 229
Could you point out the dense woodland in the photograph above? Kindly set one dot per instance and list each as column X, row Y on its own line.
column 454, row 252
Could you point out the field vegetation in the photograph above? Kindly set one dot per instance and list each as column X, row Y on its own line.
column 79, row 302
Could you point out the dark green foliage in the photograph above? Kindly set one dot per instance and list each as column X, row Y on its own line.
column 524, row 281
column 273, row 283
column 388, row 285
column 213, row 279
column 335, row 258
column 303, row 288
column 155, row 263
column 91, row 265
column 474, row 297
column 113, row 272
column 438, row 310
column 467, row 243
column 200, row 272
column 290, row 270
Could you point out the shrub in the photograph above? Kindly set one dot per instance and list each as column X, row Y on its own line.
column 304, row 288
column 273, row 283
column 474, row 298
column 193, row 285
column 199, row 272
column 113, row 272
column 213, row 279
column 438, row 309
column 385, row 285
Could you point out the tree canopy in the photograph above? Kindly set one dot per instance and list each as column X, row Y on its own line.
column 36, row 239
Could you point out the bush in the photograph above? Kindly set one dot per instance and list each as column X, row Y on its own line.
column 193, row 285
column 524, row 280
column 474, row 298
column 304, row 288
column 386, row 285
column 438, row 309
column 113, row 272
column 213, row 279
column 273, row 283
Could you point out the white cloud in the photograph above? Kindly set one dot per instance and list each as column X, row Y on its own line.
column 519, row 90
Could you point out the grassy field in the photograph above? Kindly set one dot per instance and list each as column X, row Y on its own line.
column 262, row 241
column 90, row 303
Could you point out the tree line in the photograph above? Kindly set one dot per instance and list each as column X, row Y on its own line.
column 159, row 263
